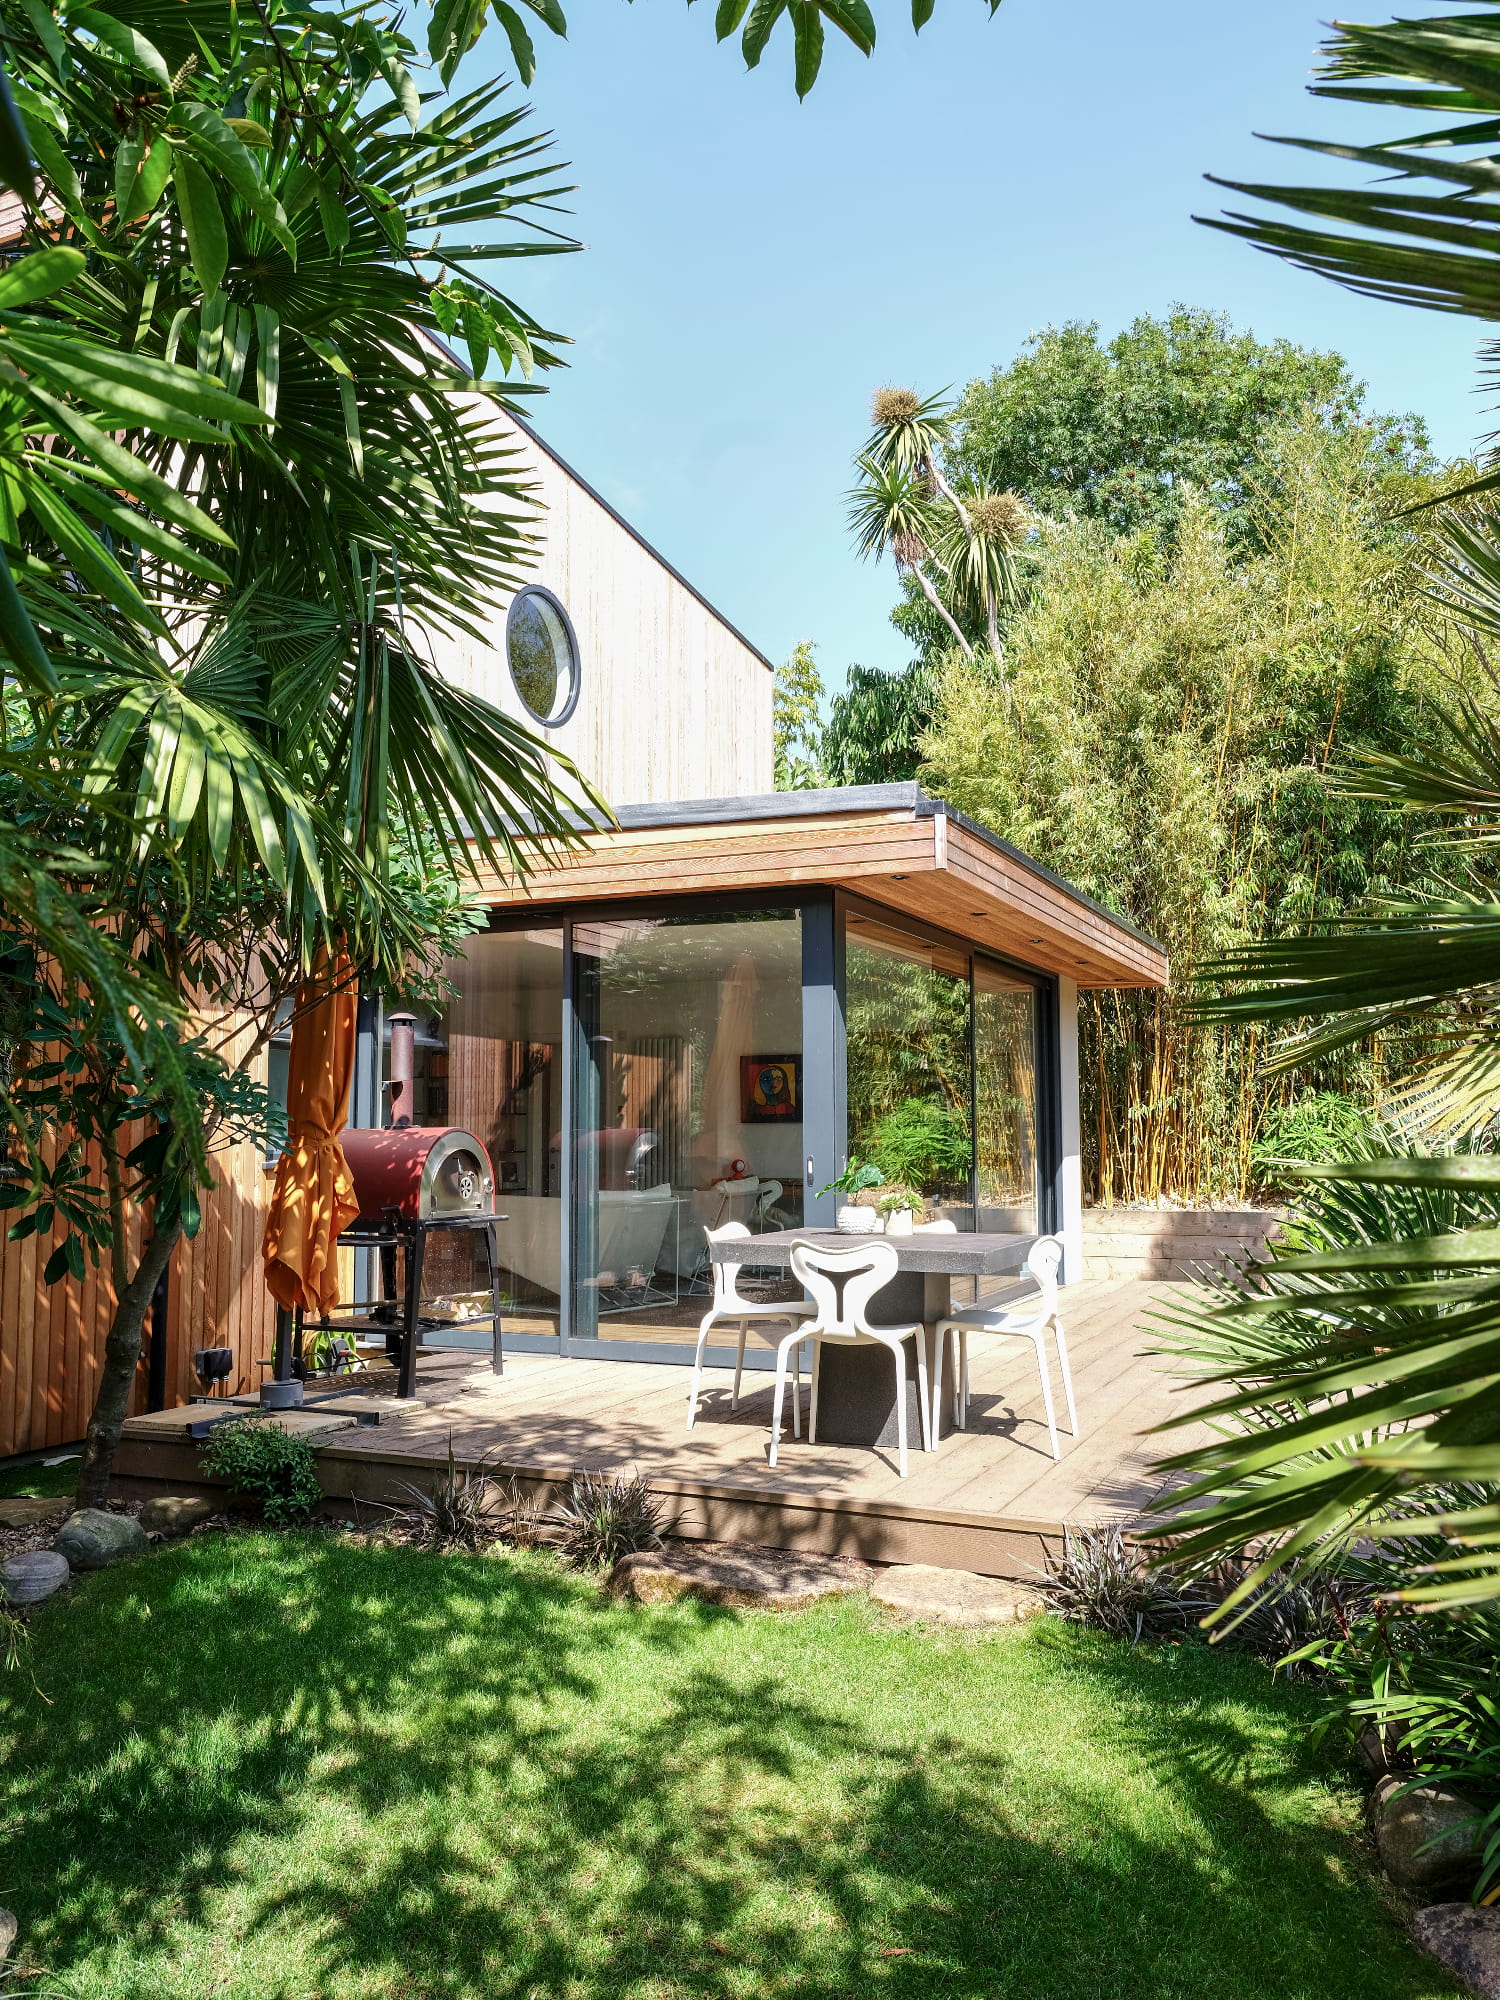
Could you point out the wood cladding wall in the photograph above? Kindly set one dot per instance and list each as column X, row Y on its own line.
column 673, row 703
column 52, row 1336
column 929, row 867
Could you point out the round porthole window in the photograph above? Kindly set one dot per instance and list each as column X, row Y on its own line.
column 543, row 654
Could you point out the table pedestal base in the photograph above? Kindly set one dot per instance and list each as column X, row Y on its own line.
column 857, row 1385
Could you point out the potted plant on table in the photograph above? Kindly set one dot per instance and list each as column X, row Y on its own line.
column 853, row 1219
column 900, row 1207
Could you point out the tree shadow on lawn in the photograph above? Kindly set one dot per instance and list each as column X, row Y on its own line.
column 429, row 1777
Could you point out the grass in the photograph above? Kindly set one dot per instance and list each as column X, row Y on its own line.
column 275, row 1766
column 42, row 1482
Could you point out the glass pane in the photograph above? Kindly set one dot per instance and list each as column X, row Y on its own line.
column 906, row 1010
column 499, row 1076
column 688, row 1108
column 541, row 655
column 1005, row 1023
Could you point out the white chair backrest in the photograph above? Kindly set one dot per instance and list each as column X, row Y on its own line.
column 726, row 1275
column 863, row 1267
column 1043, row 1262
column 944, row 1226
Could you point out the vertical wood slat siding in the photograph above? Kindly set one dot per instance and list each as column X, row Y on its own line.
column 52, row 1337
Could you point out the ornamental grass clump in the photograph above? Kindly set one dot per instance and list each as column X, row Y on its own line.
column 1100, row 1579
column 266, row 1462
column 604, row 1518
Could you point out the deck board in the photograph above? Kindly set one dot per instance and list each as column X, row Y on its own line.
column 990, row 1497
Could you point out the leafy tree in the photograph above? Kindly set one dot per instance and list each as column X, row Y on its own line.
column 796, row 720
column 1120, row 430
column 874, row 731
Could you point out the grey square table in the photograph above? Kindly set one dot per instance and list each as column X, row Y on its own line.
column 857, row 1388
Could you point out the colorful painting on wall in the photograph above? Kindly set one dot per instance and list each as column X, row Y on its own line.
column 771, row 1090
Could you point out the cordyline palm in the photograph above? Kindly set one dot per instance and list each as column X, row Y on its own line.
column 978, row 552
column 892, row 510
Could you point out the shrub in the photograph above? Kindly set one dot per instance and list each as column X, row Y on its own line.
column 258, row 1457
column 1320, row 1125
column 456, row 1512
column 1100, row 1579
column 604, row 1518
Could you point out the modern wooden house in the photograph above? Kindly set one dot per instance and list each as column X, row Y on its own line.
column 700, row 1016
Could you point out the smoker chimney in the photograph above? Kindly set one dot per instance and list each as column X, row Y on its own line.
column 403, row 1063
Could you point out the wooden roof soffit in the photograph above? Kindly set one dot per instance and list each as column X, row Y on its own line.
column 929, row 864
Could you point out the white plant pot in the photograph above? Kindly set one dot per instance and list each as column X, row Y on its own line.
column 853, row 1221
column 899, row 1222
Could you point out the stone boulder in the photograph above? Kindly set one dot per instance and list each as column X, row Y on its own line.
column 176, row 1514
column 754, row 1578
column 1466, row 1940
column 27, row 1579
column 8, row 1929
column 29, row 1513
column 952, row 1596
column 1428, row 1837
column 93, row 1539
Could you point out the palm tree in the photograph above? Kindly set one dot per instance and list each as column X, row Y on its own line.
column 251, row 745
column 891, row 509
column 978, row 552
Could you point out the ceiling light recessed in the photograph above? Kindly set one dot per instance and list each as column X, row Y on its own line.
column 898, row 878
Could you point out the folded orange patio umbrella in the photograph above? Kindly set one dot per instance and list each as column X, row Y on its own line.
column 313, row 1198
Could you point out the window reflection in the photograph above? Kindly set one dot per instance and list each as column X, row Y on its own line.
column 906, row 1012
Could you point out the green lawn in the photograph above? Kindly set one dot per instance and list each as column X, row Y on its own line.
column 280, row 1766
column 41, row 1481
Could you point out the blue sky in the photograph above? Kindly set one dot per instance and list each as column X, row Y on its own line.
column 755, row 266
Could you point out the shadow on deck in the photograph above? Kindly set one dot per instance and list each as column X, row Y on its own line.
column 990, row 1499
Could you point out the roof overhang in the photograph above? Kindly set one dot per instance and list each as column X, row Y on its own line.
column 888, row 843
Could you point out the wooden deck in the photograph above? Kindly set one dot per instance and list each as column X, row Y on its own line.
column 990, row 1499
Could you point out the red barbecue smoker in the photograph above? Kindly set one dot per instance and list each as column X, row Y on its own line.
column 412, row 1180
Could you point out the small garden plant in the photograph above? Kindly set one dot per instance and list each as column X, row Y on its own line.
column 604, row 1518
column 262, row 1459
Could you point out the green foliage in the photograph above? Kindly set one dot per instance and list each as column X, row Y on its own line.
column 923, row 1143
column 1318, row 1125
column 1121, row 431
column 796, row 721
column 260, row 1458
column 856, row 1177
column 1429, row 1687
column 605, row 1516
column 875, row 727
column 1162, row 735
column 1351, row 1385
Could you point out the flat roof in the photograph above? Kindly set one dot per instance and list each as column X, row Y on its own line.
column 889, row 844
column 908, row 797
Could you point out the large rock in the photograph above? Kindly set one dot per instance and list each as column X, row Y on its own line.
column 952, row 1596
column 8, row 1929
column 176, row 1514
column 27, row 1579
column 27, row 1513
column 1428, row 1837
column 1466, row 1940
column 767, row 1579
column 92, row 1539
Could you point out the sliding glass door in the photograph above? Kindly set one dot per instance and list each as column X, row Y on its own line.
column 686, row 1108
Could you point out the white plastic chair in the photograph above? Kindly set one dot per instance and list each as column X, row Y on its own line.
column 1003, row 1323
column 863, row 1268
column 729, row 1307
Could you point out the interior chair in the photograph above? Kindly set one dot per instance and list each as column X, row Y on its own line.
column 842, row 1283
column 1006, row 1323
column 731, row 1309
